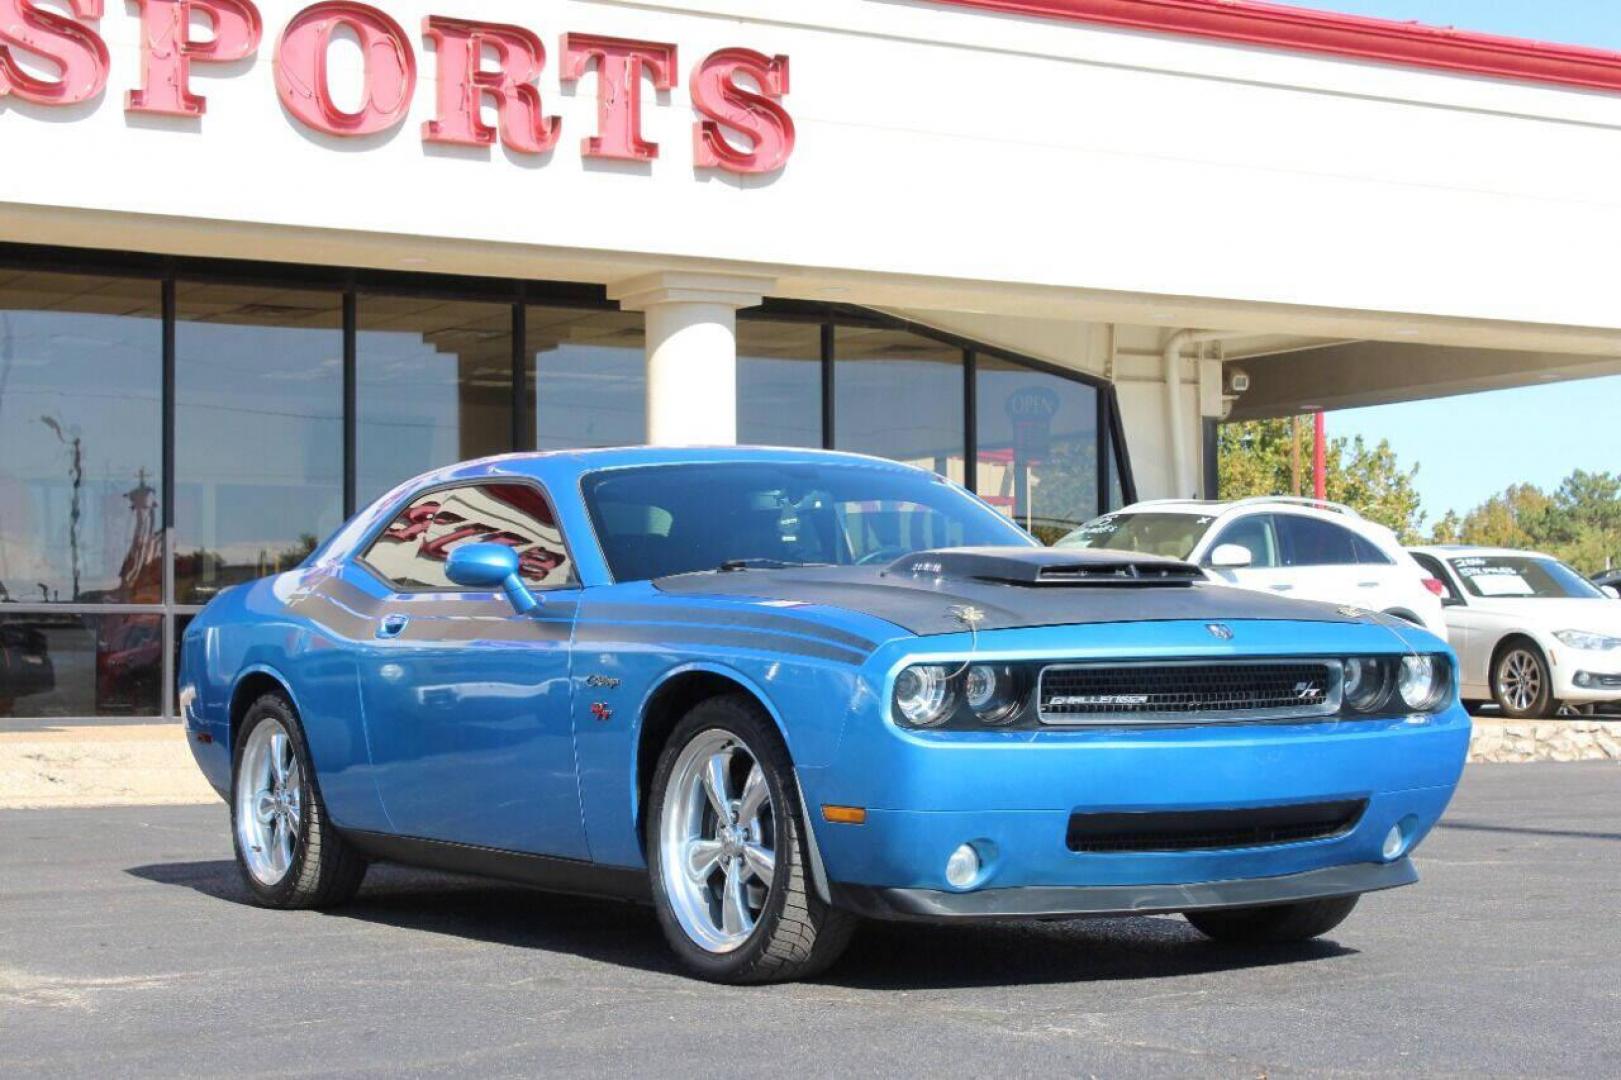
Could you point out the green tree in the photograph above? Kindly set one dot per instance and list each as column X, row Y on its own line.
column 1579, row 523
column 1256, row 459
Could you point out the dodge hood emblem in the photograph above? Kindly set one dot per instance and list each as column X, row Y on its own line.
column 1220, row 631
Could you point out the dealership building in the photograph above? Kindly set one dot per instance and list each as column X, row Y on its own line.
column 260, row 261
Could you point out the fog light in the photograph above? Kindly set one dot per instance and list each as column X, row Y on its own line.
column 1394, row 842
column 1583, row 679
column 962, row 869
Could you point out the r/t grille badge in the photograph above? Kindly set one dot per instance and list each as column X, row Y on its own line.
column 1219, row 631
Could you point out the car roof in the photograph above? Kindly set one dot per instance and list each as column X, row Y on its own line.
column 536, row 462
column 1452, row 551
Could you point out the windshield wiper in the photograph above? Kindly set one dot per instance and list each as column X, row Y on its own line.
column 731, row 566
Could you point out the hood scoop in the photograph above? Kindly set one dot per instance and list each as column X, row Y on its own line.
column 1047, row 567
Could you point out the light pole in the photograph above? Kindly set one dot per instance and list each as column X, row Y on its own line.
column 76, row 475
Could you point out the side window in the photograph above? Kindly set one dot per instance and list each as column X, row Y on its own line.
column 411, row 553
column 1368, row 553
column 1258, row 535
column 1309, row 542
column 1432, row 566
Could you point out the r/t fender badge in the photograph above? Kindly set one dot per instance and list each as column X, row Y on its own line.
column 601, row 711
column 1219, row 631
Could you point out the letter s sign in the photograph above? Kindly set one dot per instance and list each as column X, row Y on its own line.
column 73, row 48
column 756, row 115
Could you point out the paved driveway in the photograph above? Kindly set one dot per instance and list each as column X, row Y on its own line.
column 127, row 947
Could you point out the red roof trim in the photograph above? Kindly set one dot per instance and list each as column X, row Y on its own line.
column 1303, row 30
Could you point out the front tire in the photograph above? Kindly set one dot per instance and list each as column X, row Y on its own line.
column 728, row 856
column 1522, row 683
column 286, row 848
column 1279, row 924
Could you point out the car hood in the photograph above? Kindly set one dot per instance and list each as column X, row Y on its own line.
column 929, row 592
column 1594, row 616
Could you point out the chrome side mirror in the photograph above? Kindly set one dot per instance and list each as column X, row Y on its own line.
column 491, row 566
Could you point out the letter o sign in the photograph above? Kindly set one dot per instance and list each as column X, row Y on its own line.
column 390, row 70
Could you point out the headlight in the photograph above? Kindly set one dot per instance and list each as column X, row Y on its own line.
column 1367, row 682
column 923, row 694
column 993, row 694
column 1581, row 639
column 1423, row 682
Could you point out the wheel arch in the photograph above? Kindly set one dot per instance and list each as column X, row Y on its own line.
column 672, row 697
column 251, row 684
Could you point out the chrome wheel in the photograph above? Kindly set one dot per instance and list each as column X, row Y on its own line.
column 717, row 841
column 1519, row 680
column 269, row 802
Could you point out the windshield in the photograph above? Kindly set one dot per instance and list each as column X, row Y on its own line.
column 1522, row 577
column 677, row 519
column 1174, row 535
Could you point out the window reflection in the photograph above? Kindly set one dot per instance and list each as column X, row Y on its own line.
column 900, row 396
column 434, row 386
column 81, row 362
column 64, row 665
column 587, row 378
column 779, row 383
column 259, row 431
column 1038, row 446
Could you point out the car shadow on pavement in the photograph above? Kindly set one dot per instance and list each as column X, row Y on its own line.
column 883, row 956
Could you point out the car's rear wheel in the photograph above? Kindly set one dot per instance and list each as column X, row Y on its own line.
column 288, row 852
column 728, row 854
column 1522, row 684
column 1278, row 924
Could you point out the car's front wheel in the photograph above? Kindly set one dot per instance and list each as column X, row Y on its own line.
column 1522, row 684
column 288, row 852
column 1277, row 924
column 728, row 854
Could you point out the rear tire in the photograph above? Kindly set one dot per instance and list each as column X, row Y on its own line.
column 1279, row 924
column 721, row 916
column 288, row 852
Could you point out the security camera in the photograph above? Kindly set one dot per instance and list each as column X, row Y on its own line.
column 1238, row 381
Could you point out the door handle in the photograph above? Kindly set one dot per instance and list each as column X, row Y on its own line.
column 1281, row 588
column 391, row 626
column 1367, row 584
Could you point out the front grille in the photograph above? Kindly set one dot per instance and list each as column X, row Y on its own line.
column 1213, row 830
column 1191, row 692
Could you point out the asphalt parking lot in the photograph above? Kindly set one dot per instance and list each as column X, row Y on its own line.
column 127, row 946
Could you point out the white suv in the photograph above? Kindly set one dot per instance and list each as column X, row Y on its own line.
column 1300, row 548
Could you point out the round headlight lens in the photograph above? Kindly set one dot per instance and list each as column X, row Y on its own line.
column 1421, row 682
column 1367, row 682
column 923, row 694
column 991, row 693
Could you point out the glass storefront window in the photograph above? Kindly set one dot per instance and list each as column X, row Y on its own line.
column 81, row 444
column 587, row 378
column 900, row 396
column 434, row 386
column 259, row 431
column 1037, row 458
column 65, row 665
column 779, row 383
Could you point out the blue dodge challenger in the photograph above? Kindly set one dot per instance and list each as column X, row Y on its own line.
column 777, row 691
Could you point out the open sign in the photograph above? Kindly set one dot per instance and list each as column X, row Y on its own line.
column 1032, row 410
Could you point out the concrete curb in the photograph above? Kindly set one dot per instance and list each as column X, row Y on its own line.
column 1513, row 742
column 121, row 765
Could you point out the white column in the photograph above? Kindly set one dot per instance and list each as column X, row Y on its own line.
column 691, row 351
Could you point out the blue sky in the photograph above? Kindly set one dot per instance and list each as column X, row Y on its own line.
column 1474, row 446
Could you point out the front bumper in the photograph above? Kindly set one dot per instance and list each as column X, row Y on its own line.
column 1074, row 901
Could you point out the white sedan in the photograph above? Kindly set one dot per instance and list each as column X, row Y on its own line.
column 1530, row 632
